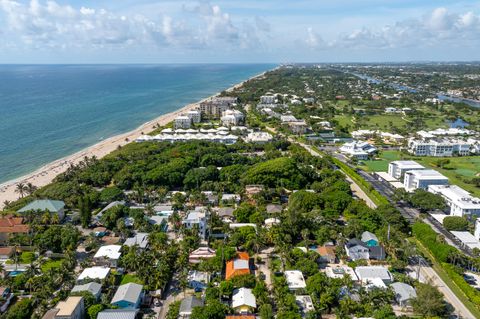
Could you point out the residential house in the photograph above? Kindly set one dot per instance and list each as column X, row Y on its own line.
column 72, row 308
column 140, row 240
column 274, row 208
column 92, row 287
column 369, row 239
column 258, row 137
column 11, row 225
column 226, row 214
column 128, row 296
column 197, row 219
column 358, row 150
column 44, row 205
column 108, row 255
column 187, row 305
column 231, row 198
column 269, row 222
column 367, row 273
column 327, row 254
column 6, row 252
column 197, row 280
column 295, row 280
column 243, row 301
column 240, row 265
column 358, row 250
column 6, row 296
column 118, row 314
column 94, row 273
column 340, row 272
column 422, row 179
column 200, row 254
column 404, row 293
column 298, row 127
column 305, row 303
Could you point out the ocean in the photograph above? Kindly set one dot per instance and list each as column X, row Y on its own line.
column 51, row 111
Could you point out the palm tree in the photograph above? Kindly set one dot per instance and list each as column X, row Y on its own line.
column 6, row 203
column 20, row 189
column 30, row 188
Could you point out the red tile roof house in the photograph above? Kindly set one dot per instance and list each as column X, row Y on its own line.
column 11, row 225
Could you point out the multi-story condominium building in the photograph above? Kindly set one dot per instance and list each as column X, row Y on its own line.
column 183, row 121
column 232, row 117
column 422, row 179
column 460, row 201
column 195, row 116
column 397, row 169
column 215, row 106
column 438, row 147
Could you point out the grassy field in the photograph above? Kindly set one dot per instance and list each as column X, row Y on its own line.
column 459, row 169
column 381, row 163
column 130, row 278
column 51, row 264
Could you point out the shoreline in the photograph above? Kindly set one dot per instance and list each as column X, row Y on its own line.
column 44, row 175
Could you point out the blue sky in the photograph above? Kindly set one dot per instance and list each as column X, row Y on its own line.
column 144, row 31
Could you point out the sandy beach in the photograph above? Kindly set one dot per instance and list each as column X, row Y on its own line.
column 47, row 173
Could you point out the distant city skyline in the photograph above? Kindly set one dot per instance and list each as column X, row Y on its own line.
column 248, row 31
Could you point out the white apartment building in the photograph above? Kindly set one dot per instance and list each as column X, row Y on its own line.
column 267, row 99
column 195, row 116
column 438, row 147
column 422, row 179
column 232, row 117
column 183, row 121
column 461, row 202
column 215, row 106
column 397, row 169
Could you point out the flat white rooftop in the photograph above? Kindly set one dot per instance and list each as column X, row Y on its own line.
column 386, row 176
column 295, row 279
column 467, row 239
column 94, row 273
column 427, row 174
column 456, row 195
column 408, row 164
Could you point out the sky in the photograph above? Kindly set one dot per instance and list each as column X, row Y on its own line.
column 231, row 31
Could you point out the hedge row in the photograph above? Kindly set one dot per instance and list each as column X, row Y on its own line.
column 376, row 197
column 428, row 237
column 472, row 294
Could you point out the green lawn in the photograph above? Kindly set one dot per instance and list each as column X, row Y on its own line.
column 130, row 278
column 25, row 257
column 52, row 264
column 459, row 170
column 380, row 164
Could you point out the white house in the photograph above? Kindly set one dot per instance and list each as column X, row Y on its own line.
column 258, row 137
column 194, row 115
column 94, row 273
column 197, row 218
column 108, row 255
column 422, row 179
column 232, row 117
column 295, row 280
column 397, row 169
column 358, row 150
column 182, row 121
column 140, row 240
column 243, row 301
column 460, row 201
column 128, row 296
column 403, row 293
column 368, row 273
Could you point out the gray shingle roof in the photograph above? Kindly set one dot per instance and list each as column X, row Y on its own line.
column 53, row 206
column 117, row 314
column 189, row 303
column 129, row 292
column 403, row 291
column 366, row 236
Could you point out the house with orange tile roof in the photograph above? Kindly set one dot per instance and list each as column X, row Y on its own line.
column 327, row 254
column 238, row 266
column 11, row 225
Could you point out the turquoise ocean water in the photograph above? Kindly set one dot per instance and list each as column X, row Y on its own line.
column 48, row 112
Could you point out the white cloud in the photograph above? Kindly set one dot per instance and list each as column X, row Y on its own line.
column 439, row 27
column 52, row 25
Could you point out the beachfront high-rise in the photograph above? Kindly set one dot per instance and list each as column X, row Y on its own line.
column 215, row 106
